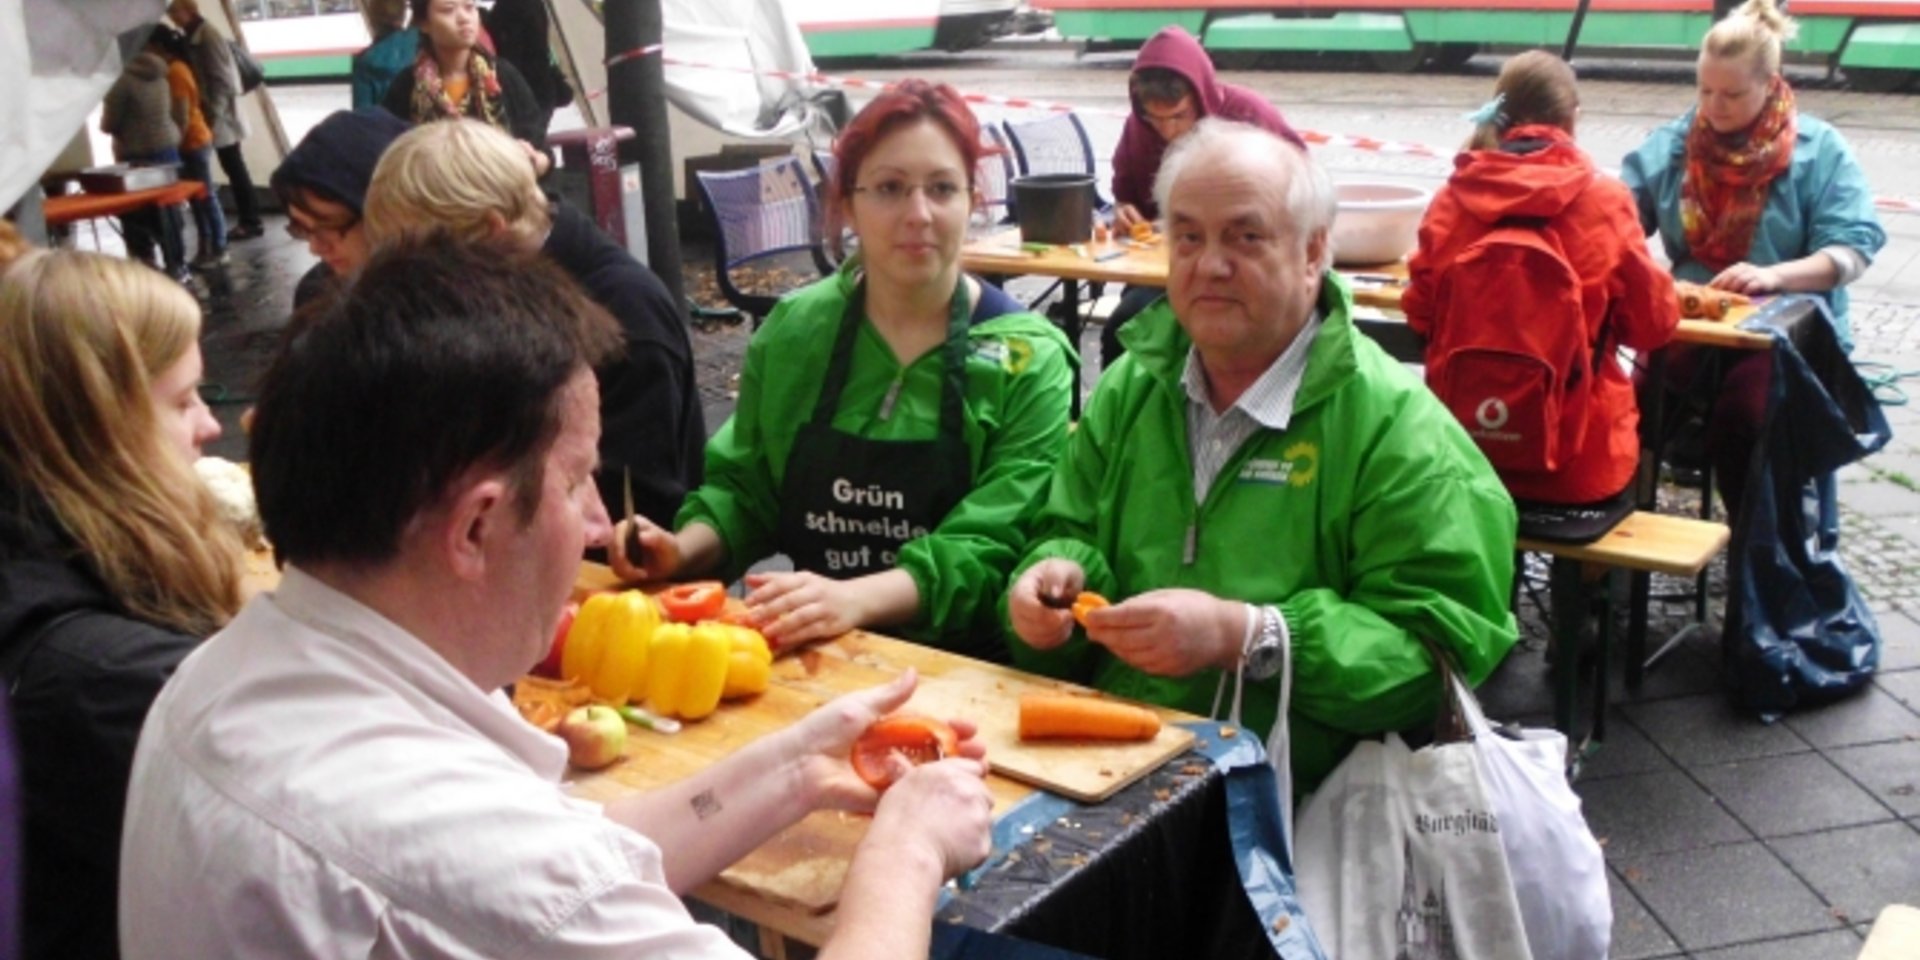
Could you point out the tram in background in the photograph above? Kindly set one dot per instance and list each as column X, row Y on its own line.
column 1875, row 43
column 315, row 40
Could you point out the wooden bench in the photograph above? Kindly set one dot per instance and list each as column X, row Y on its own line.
column 1895, row 936
column 1641, row 545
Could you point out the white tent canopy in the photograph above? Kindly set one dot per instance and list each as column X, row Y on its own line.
column 55, row 73
column 748, row 37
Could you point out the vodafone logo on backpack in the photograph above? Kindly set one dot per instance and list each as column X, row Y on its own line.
column 1491, row 414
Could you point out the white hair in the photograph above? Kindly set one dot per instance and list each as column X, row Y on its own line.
column 1309, row 205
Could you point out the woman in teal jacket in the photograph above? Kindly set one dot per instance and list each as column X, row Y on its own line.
column 896, row 421
column 1750, row 195
column 1371, row 521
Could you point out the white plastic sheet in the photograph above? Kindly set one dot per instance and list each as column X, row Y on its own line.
column 55, row 73
column 755, row 35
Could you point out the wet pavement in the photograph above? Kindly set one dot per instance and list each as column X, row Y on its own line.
column 1726, row 838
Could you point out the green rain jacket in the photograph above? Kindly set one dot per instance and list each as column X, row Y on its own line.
column 1372, row 522
column 1019, row 376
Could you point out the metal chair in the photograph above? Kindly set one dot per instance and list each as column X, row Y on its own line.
column 996, row 177
column 1059, row 144
column 1055, row 144
column 824, row 165
column 759, row 214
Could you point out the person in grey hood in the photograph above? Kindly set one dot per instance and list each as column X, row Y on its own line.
column 138, row 113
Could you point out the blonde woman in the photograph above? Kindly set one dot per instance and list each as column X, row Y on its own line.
column 114, row 563
column 1750, row 195
column 472, row 181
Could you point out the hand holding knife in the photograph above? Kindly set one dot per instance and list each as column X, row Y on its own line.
column 635, row 551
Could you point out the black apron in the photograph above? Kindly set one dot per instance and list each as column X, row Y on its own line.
column 849, row 502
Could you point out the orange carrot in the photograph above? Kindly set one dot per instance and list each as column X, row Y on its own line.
column 1086, row 603
column 1058, row 715
column 1701, row 302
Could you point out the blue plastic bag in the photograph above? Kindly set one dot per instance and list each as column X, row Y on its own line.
column 1798, row 632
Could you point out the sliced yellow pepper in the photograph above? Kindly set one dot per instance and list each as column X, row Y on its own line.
column 690, row 668
column 749, row 662
column 608, row 646
column 623, row 665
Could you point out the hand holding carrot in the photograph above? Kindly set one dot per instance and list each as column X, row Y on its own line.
column 1040, row 603
column 1172, row 633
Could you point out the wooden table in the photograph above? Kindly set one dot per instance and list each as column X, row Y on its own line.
column 790, row 883
column 71, row 208
column 1122, row 261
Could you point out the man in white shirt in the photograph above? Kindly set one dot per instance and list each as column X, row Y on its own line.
column 338, row 772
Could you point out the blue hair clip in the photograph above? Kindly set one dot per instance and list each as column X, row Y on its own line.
column 1489, row 112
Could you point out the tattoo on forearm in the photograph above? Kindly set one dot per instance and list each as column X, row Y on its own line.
column 705, row 804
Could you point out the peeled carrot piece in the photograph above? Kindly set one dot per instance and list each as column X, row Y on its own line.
column 1086, row 603
column 1057, row 715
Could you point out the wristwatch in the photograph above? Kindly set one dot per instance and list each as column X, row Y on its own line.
column 1266, row 650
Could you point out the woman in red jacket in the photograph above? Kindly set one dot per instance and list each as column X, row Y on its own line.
column 1522, row 168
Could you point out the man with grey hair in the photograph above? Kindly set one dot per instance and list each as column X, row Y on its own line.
column 1256, row 476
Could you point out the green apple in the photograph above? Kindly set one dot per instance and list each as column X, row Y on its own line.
column 596, row 736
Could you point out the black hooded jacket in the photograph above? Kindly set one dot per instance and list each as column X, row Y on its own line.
column 650, row 417
column 81, row 675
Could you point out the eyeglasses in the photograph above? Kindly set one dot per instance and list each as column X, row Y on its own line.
column 894, row 193
column 329, row 232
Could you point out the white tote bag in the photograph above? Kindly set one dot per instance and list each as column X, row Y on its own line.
column 1559, row 874
column 1399, row 857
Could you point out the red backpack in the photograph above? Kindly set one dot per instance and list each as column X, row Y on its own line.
column 1509, row 353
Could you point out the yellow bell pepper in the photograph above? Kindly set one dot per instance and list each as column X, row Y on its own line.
column 689, row 670
column 749, row 661
column 610, row 643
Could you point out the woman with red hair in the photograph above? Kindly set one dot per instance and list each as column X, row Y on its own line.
column 896, row 420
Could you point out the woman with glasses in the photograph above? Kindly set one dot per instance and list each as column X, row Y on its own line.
column 323, row 183
column 896, row 421
column 114, row 559
column 453, row 76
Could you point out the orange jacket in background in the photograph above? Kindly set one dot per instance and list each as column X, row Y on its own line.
column 1538, row 173
column 194, row 133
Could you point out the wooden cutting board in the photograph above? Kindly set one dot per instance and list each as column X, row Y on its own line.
column 802, row 867
column 1085, row 770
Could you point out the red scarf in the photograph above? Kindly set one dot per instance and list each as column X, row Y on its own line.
column 430, row 100
column 1728, row 178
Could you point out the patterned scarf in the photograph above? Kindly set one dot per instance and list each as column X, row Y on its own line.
column 1728, row 177
column 430, row 100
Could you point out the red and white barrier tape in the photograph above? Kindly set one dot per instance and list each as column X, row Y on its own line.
column 1314, row 137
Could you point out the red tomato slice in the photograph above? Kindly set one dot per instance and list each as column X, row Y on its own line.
column 694, row 602
column 550, row 667
column 915, row 738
